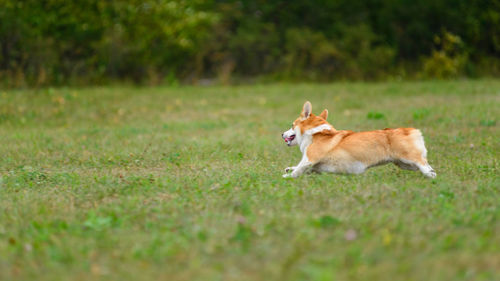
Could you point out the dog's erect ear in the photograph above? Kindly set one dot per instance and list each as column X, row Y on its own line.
column 306, row 110
column 324, row 114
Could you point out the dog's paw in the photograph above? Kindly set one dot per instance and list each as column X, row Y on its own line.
column 431, row 174
column 286, row 176
column 289, row 169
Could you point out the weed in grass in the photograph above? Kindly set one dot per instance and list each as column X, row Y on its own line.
column 375, row 115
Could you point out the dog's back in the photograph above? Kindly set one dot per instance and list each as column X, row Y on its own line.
column 350, row 152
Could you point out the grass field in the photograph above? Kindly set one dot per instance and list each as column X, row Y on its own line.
column 125, row 183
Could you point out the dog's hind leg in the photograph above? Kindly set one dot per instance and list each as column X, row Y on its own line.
column 427, row 170
column 406, row 166
column 421, row 158
column 414, row 164
column 416, row 157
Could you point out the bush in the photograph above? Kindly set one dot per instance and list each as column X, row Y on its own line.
column 309, row 55
column 448, row 60
column 47, row 42
column 155, row 41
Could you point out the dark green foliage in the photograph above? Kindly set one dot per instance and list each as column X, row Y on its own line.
column 59, row 42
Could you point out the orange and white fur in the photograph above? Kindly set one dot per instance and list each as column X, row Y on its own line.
column 325, row 149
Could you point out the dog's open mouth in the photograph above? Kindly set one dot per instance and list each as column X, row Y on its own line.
column 289, row 139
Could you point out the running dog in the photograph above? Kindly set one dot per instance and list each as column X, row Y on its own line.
column 325, row 149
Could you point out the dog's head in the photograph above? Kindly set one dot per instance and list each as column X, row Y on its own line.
column 306, row 121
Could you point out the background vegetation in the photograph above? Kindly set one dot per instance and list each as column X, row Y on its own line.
column 197, row 41
column 184, row 183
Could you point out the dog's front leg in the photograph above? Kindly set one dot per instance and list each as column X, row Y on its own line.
column 302, row 167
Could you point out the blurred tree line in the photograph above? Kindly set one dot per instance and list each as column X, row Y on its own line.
column 45, row 42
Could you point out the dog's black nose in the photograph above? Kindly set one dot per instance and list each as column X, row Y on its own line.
column 282, row 135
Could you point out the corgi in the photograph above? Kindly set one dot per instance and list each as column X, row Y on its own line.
column 325, row 149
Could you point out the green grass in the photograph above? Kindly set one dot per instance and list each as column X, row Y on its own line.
column 185, row 184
